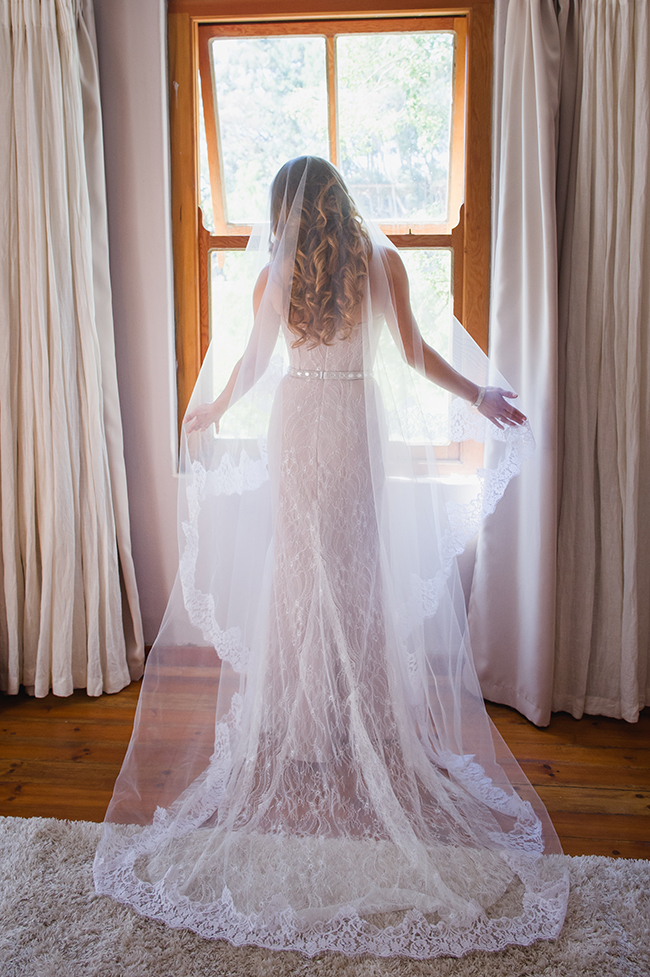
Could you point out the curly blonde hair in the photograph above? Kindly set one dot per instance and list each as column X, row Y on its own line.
column 332, row 251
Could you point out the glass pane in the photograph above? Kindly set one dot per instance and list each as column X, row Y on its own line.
column 231, row 308
column 430, row 279
column 272, row 106
column 232, row 277
column 430, row 282
column 395, row 100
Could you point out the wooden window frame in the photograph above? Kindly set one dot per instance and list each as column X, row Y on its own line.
column 189, row 23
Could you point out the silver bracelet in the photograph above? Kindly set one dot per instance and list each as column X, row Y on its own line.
column 479, row 399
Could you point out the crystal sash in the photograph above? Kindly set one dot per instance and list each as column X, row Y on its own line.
column 327, row 374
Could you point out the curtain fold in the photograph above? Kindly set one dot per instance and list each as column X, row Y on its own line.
column 603, row 581
column 512, row 603
column 69, row 614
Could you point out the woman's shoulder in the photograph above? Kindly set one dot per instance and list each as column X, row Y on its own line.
column 393, row 260
column 387, row 268
column 389, row 258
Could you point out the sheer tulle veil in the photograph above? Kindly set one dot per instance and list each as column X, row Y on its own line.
column 312, row 766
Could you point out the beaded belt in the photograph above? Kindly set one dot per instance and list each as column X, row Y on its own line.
column 326, row 374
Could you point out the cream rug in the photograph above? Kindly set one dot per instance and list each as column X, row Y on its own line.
column 53, row 925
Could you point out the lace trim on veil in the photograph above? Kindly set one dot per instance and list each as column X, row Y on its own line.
column 350, row 931
column 543, row 908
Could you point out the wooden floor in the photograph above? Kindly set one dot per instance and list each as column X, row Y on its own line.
column 60, row 757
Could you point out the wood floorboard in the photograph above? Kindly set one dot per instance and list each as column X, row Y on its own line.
column 593, row 845
column 45, row 801
column 59, row 757
column 575, row 774
column 57, row 774
column 595, row 800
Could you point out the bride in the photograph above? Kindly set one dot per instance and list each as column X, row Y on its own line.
column 312, row 766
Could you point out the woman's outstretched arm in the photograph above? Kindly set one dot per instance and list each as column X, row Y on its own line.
column 253, row 363
column 425, row 360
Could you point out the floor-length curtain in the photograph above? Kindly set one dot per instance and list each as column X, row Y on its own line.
column 603, row 579
column 512, row 604
column 69, row 614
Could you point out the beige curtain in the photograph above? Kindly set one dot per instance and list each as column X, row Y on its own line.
column 560, row 603
column 512, row 603
column 603, row 579
column 69, row 614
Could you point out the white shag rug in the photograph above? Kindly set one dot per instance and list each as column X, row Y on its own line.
column 53, row 925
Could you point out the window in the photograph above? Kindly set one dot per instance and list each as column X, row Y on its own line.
column 400, row 104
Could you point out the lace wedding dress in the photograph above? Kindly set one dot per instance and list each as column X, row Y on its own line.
column 312, row 766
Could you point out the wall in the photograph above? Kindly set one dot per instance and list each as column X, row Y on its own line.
column 131, row 39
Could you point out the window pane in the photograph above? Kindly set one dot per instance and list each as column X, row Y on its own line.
column 231, row 308
column 395, row 100
column 430, row 279
column 429, row 274
column 232, row 277
column 272, row 105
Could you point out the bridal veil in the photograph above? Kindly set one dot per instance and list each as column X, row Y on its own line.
column 312, row 766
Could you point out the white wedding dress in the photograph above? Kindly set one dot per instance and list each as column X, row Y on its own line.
column 312, row 766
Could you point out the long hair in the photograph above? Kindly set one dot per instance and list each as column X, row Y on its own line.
column 332, row 251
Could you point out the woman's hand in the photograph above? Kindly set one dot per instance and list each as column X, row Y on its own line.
column 202, row 417
column 496, row 408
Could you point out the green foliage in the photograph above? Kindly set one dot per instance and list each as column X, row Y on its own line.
column 272, row 105
column 395, row 96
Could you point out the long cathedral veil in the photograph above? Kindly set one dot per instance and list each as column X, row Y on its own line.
column 312, row 766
